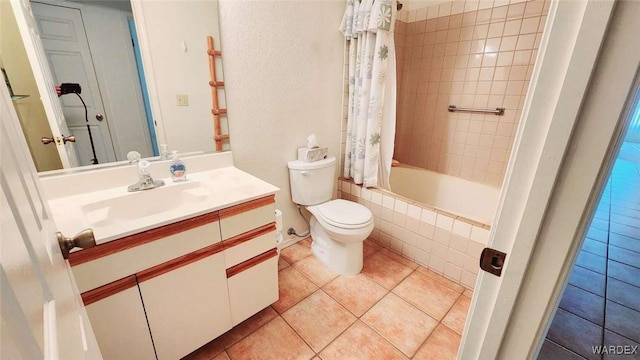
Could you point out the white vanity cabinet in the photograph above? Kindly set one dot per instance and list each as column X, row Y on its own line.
column 181, row 284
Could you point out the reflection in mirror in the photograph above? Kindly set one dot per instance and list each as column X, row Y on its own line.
column 95, row 44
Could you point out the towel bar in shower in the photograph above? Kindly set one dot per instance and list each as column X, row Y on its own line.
column 496, row 111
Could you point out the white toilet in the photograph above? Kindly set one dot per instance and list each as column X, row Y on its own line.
column 338, row 227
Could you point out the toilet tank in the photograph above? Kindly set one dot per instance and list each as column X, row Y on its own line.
column 312, row 182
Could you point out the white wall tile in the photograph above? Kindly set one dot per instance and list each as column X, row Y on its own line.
column 399, row 219
column 458, row 243
column 480, row 235
column 375, row 235
column 453, row 272
column 444, row 222
column 387, row 214
column 428, row 216
column 442, row 237
column 455, row 257
column 422, row 257
column 409, row 251
column 470, row 264
column 400, row 206
column 439, row 250
column 474, row 249
column 432, row 12
column 395, row 244
column 421, row 14
column 426, row 230
column 424, row 243
column 436, row 264
column 462, row 228
column 387, row 201
column 412, row 224
column 376, row 210
column 384, row 239
column 365, row 194
column 414, row 211
column 376, row 198
column 468, row 279
column 355, row 190
column 385, row 226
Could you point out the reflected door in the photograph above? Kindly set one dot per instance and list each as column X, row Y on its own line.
column 66, row 46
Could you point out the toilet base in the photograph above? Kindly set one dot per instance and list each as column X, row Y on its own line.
column 342, row 258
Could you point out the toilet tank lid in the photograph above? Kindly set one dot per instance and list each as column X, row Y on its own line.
column 303, row 165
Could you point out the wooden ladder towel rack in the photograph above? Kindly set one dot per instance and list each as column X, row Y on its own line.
column 215, row 85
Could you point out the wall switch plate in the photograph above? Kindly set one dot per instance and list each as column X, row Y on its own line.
column 182, row 100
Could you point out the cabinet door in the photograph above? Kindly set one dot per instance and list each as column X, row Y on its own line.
column 188, row 306
column 119, row 322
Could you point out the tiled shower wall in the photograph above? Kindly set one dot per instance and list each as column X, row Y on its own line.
column 445, row 243
column 470, row 54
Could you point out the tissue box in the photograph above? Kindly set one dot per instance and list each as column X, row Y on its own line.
column 309, row 155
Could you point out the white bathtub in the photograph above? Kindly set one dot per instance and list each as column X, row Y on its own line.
column 458, row 196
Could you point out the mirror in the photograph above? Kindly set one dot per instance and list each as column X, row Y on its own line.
column 143, row 72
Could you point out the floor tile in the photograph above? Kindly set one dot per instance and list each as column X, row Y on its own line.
column 295, row 252
column 622, row 272
column 318, row 319
column 315, row 270
column 384, row 270
column 624, row 256
column 624, row 242
column 468, row 293
column 623, row 321
column 427, row 294
column 293, row 287
column 442, row 344
column 587, row 280
column 222, row 356
column 401, row 323
column 575, row 333
column 282, row 264
column 623, row 293
column 399, row 258
column 630, row 349
column 584, row 304
column 360, row 342
column 592, row 262
column 276, row 340
column 207, row 351
column 456, row 317
column 356, row 293
column 370, row 247
column 441, row 279
column 553, row 351
column 248, row 326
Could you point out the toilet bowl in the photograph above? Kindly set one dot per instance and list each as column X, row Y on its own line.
column 338, row 227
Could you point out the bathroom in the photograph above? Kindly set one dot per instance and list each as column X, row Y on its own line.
column 296, row 71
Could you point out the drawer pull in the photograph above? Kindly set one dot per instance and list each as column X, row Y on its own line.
column 234, row 270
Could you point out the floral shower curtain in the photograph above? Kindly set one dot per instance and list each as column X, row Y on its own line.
column 368, row 27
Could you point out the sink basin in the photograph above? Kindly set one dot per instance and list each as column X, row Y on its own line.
column 136, row 205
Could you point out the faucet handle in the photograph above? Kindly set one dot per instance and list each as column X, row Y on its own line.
column 143, row 168
column 133, row 156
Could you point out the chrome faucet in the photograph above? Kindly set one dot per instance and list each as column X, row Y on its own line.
column 145, row 182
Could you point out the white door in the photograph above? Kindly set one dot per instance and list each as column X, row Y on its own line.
column 42, row 314
column 581, row 93
column 46, row 86
column 67, row 49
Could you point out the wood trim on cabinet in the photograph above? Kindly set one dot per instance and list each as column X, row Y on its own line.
column 179, row 262
column 128, row 242
column 97, row 294
column 236, row 269
column 249, row 235
column 244, row 207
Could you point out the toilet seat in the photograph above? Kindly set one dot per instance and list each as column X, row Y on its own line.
column 342, row 214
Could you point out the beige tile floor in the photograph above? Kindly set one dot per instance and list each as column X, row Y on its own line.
column 393, row 309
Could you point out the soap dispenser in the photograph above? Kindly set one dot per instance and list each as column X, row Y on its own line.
column 177, row 168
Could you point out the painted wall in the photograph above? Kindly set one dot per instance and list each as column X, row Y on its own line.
column 283, row 64
column 176, row 35
column 13, row 58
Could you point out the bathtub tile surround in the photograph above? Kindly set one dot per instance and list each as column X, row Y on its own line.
column 445, row 243
column 332, row 322
column 470, row 54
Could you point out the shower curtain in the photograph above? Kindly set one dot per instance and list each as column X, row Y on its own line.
column 368, row 28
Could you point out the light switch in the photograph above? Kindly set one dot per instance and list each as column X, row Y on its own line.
column 182, row 100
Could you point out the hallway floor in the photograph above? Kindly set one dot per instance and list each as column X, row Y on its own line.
column 601, row 304
column 394, row 309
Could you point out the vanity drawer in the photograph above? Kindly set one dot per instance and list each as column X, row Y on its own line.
column 135, row 258
column 247, row 245
column 253, row 285
column 245, row 217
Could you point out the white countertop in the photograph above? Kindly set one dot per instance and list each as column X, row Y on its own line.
column 202, row 193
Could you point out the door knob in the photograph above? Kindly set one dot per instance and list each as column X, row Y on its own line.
column 70, row 138
column 84, row 239
column 46, row 140
column 99, row 117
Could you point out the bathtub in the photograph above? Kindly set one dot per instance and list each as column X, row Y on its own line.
column 461, row 197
